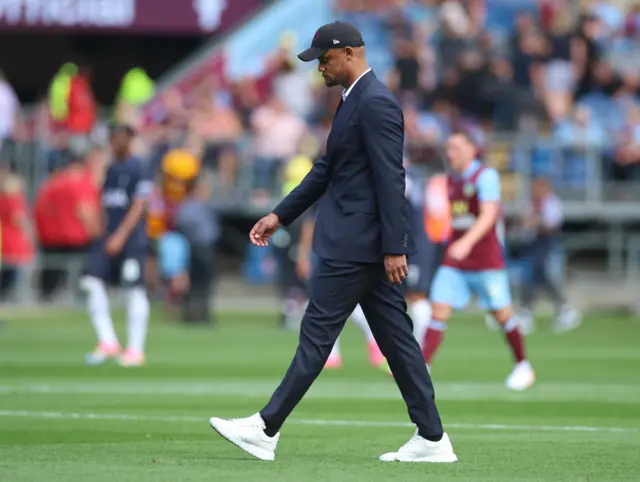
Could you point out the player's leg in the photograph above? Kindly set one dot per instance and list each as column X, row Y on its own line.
column 93, row 283
column 422, row 266
column 335, row 358
column 420, row 312
column 494, row 294
column 376, row 358
column 449, row 291
column 132, row 279
column 567, row 316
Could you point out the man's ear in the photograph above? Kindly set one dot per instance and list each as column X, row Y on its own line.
column 348, row 52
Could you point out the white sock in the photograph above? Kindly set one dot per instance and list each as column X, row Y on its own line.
column 98, row 307
column 420, row 312
column 359, row 319
column 137, row 318
column 335, row 351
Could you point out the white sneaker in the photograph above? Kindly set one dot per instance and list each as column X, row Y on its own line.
column 522, row 377
column 567, row 319
column 247, row 434
column 419, row 449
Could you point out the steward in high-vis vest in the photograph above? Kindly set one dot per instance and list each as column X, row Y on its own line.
column 59, row 90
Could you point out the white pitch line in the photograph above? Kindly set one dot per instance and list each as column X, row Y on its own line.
column 341, row 389
column 298, row 421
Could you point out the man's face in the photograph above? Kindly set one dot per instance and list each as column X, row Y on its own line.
column 119, row 142
column 333, row 67
column 460, row 152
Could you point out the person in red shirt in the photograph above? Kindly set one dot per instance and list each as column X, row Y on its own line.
column 67, row 220
column 82, row 105
column 15, row 231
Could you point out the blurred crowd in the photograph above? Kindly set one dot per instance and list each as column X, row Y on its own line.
column 564, row 75
column 557, row 68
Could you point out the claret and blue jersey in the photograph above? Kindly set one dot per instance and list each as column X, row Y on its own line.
column 482, row 273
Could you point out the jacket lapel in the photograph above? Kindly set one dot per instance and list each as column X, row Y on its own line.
column 346, row 111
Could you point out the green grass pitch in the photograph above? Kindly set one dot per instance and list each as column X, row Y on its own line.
column 63, row 421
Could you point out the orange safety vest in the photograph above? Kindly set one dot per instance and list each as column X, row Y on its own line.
column 437, row 209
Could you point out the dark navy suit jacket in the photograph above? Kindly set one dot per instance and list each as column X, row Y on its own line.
column 363, row 214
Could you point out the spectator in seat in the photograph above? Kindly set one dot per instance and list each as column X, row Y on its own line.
column 277, row 135
column 82, row 109
column 405, row 77
column 15, row 232
column 581, row 140
column 292, row 79
column 220, row 128
column 626, row 163
column 560, row 69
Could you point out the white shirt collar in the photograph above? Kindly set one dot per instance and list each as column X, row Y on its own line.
column 346, row 92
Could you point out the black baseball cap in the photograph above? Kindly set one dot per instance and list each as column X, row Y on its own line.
column 334, row 35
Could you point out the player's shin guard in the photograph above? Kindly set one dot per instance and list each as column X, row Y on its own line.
column 360, row 319
column 98, row 307
column 514, row 339
column 420, row 312
column 137, row 319
column 433, row 339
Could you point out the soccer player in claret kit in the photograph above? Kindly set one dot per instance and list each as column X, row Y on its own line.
column 118, row 257
column 474, row 261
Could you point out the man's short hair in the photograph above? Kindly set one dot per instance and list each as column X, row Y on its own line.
column 465, row 134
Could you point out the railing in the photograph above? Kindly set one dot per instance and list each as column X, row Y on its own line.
column 609, row 208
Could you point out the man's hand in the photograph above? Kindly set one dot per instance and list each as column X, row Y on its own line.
column 263, row 230
column 114, row 244
column 396, row 267
column 460, row 249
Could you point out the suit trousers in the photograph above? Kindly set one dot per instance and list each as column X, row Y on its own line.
column 337, row 288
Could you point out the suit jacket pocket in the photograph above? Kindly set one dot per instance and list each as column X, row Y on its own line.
column 368, row 205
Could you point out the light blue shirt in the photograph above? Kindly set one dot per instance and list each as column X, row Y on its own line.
column 488, row 182
column 174, row 254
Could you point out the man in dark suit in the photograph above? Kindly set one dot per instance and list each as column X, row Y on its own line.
column 362, row 238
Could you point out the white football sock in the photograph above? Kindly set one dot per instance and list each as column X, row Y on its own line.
column 420, row 312
column 335, row 351
column 98, row 307
column 359, row 319
column 137, row 318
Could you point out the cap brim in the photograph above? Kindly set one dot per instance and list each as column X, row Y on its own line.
column 312, row 53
